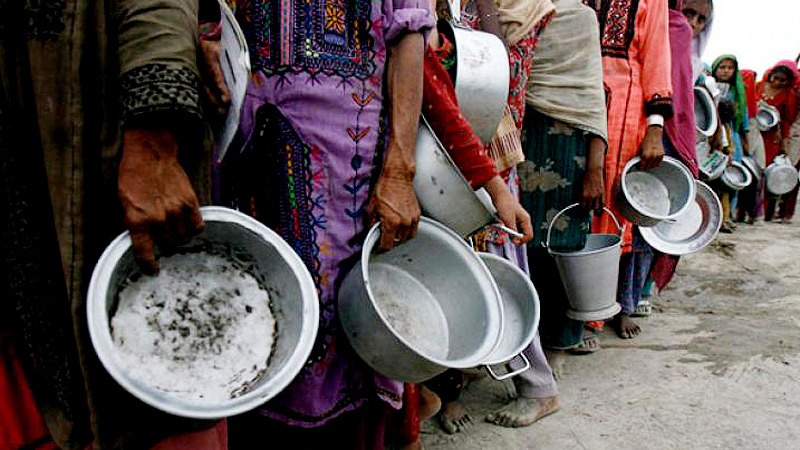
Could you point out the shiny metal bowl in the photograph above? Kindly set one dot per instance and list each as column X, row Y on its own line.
column 293, row 298
column 427, row 305
column 652, row 196
column 693, row 230
column 736, row 176
column 781, row 176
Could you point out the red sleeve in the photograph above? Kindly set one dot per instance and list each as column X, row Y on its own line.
column 440, row 108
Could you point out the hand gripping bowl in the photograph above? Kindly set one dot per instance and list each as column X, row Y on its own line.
column 652, row 196
column 427, row 305
column 692, row 231
column 278, row 269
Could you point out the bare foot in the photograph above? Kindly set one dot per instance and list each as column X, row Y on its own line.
column 429, row 403
column 626, row 328
column 522, row 412
column 555, row 358
column 454, row 417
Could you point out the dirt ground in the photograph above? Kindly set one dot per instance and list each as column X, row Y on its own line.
column 716, row 367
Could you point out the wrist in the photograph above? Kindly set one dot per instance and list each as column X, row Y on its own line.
column 157, row 144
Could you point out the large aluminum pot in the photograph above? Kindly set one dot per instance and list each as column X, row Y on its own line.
column 520, row 314
column 736, row 176
column 293, row 299
column 427, row 305
column 481, row 76
column 443, row 192
column 781, row 176
column 662, row 193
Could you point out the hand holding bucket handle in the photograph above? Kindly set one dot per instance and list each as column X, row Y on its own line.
column 620, row 229
column 513, row 373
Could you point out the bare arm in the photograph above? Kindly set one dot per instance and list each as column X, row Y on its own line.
column 394, row 202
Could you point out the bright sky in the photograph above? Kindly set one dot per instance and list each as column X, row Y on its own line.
column 759, row 32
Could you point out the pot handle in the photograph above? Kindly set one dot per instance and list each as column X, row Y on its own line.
column 513, row 373
column 552, row 222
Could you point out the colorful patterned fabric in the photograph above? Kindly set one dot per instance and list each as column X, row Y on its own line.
column 551, row 178
column 304, row 161
column 638, row 77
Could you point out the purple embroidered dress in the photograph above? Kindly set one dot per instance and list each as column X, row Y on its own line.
column 304, row 161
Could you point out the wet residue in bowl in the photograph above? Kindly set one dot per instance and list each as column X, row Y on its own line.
column 201, row 330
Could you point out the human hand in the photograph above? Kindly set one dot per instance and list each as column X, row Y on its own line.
column 394, row 204
column 511, row 212
column 652, row 147
column 213, row 79
column 159, row 202
column 593, row 195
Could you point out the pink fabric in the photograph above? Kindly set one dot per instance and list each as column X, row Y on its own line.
column 214, row 438
column 681, row 127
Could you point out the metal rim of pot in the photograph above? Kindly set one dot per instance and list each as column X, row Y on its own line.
column 97, row 317
column 731, row 183
column 645, row 219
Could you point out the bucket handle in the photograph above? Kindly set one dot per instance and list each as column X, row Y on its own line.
column 552, row 222
column 505, row 376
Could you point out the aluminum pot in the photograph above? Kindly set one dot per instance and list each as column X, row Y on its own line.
column 662, row 193
column 781, row 176
column 293, row 300
column 736, row 176
column 481, row 75
column 443, row 192
column 520, row 314
column 427, row 305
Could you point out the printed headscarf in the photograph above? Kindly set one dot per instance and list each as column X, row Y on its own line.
column 737, row 86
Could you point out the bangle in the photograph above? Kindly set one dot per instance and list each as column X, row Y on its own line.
column 655, row 119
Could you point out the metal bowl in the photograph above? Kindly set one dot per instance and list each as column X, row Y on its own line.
column 443, row 192
column 662, row 193
column 714, row 165
column 781, row 176
column 293, row 300
column 767, row 117
column 736, row 176
column 752, row 167
column 481, row 77
column 705, row 112
column 427, row 305
column 520, row 313
column 693, row 230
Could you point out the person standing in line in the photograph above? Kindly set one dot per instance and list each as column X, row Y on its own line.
column 777, row 89
column 100, row 120
column 638, row 77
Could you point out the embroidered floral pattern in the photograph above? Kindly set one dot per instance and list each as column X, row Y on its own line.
column 617, row 21
column 159, row 88
column 328, row 36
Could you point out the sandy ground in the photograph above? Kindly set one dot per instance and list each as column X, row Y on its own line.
column 716, row 367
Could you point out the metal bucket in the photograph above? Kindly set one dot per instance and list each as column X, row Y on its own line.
column 590, row 275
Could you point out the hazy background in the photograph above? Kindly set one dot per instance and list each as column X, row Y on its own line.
column 758, row 32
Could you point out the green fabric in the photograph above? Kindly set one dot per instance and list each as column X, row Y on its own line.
column 739, row 95
column 551, row 178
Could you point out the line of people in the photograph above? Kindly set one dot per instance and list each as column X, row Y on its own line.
column 105, row 112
